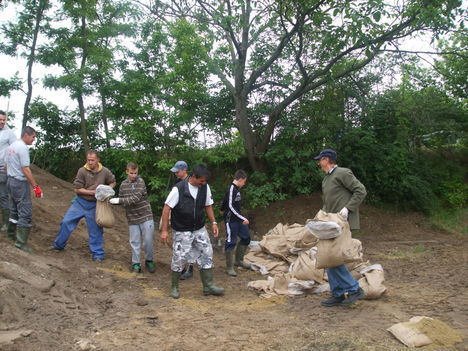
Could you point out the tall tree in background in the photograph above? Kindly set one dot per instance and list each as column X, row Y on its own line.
column 84, row 52
column 21, row 36
column 274, row 52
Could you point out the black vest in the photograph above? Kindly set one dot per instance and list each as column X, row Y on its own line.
column 189, row 214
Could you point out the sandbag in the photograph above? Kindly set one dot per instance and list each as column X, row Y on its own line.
column 324, row 229
column 304, row 268
column 104, row 192
column 372, row 283
column 340, row 250
column 104, row 214
column 409, row 334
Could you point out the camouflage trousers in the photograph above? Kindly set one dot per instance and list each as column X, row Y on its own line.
column 191, row 247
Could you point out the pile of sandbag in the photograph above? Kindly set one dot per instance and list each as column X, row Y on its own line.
column 294, row 258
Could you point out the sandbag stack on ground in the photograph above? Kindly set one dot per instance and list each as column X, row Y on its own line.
column 294, row 258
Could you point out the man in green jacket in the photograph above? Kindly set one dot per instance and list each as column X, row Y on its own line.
column 342, row 193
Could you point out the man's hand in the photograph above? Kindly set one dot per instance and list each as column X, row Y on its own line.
column 344, row 212
column 164, row 237
column 114, row 201
column 246, row 222
column 215, row 230
column 38, row 191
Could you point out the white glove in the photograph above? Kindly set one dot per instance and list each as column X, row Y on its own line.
column 344, row 212
column 114, row 201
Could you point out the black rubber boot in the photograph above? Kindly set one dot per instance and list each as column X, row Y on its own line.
column 230, row 264
column 240, row 252
column 22, row 235
column 207, row 279
column 11, row 231
column 175, row 285
column 187, row 272
column 6, row 217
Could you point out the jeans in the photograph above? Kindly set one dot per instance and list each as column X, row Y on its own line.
column 234, row 230
column 138, row 232
column 81, row 208
column 341, row 281
column 20, row 202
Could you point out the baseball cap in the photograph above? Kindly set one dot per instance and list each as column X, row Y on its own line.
column 331, row 154
column 178, row 166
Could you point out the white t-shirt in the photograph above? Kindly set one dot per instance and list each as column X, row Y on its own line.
column 17, row 157
column 173, row 197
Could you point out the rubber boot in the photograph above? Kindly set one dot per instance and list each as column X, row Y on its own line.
column 240, row 252
column 175, row 285
column 187, row 272
column 22, row 234
column 207, row 279
column 6, row 217
column 11, row 231
column 230, row 264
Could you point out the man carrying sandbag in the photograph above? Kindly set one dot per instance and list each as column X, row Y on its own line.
column 92, row 174
column 342, row 193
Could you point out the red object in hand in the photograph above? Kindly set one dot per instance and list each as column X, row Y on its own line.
column 38, row 191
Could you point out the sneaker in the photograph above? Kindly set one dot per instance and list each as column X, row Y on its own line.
column 353, row 297
column 333, row 301
column 136, row 268
column 150, row 266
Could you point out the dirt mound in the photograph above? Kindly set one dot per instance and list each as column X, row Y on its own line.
column 64, row 301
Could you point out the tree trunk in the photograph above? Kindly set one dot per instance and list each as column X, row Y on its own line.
column 104, row 119
column 84, row 126
column 32, row 59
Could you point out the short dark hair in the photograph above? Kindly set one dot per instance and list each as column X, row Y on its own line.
column 200, row 171
column 27, row 130
column 93, row 152
column 240, row 174
column 132, row 165
column 2, row 112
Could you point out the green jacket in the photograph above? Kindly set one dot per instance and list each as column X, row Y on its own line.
column 342, row 189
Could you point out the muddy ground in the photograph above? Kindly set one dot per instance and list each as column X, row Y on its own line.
column 64, row 301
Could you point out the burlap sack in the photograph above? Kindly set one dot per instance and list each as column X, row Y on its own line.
column 104, row 214
column 409, row 334
column 372, row 284
column 304, row 269
column 340, row 250
column 276, row 245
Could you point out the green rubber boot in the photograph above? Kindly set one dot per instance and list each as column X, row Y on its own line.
column 240, row 252
column 230, row 264
column 6, row 217
column 11, row 231
column 22, row 235
column 175, row 285
column 207, row 279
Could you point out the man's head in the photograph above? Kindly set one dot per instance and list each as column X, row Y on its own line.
column 92, row 159
column 326, row 159
column 199, row 176
column 28, row 135
column 3, row 119
column 132, row 171
column 240, row 178
column 180, row 169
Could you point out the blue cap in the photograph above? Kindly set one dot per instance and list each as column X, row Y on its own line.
column 178, row 166
column 331, row 154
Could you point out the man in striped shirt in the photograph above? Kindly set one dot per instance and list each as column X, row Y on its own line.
column 133, row 196
column 236, row 224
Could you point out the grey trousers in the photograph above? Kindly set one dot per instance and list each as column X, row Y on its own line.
column 20, row 202
column 138, row 233
column 4, row 201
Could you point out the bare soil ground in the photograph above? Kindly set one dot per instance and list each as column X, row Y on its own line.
column 64, row 301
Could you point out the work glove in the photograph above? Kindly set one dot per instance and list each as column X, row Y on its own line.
column 114, row 201
column 38, row 191
column 344, row 212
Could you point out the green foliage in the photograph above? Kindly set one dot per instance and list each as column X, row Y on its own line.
column 9, row 85
column 263, row 190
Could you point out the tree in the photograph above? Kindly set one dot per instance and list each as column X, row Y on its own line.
column 22, row 36
column 274, row 52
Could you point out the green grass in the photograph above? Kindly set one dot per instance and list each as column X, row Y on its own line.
column 451, row 221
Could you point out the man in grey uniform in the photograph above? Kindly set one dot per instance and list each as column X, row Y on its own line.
column 19, row 175
column 7, row 137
